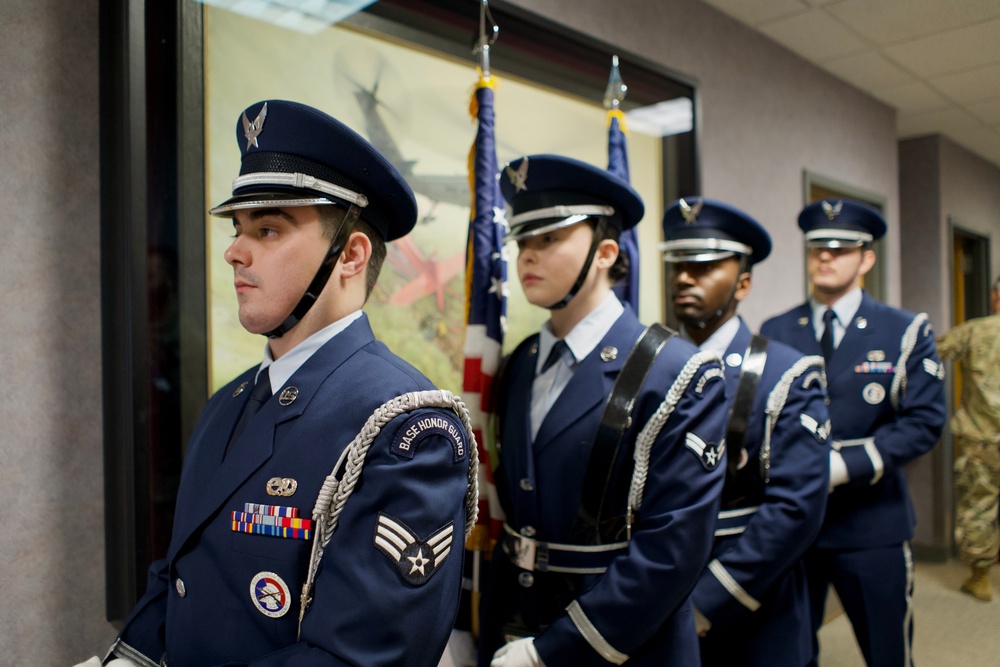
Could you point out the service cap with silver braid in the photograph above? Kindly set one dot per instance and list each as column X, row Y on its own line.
column 549, row 192
column 295, row 155
column 840, row 223
column 696, row 229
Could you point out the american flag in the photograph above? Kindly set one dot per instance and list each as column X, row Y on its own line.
column 628, row 289
column 485, row 304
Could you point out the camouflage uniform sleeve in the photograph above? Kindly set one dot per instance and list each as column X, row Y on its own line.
column 955, row 343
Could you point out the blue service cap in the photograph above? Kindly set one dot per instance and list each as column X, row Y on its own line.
column 840, row 223
column 295, row 155
column 547, row 192
column 706, row 230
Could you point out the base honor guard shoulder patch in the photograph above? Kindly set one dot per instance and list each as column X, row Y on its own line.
column 709, row 454
column 706, row 377
column 417, row 560
column 421, row 426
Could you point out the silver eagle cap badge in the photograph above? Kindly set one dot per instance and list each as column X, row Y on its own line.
column 252, row 130
column 519, row 177
column 690, row 212
column 832, row 210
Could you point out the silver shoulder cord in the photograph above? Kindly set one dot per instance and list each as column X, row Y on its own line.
column 649, row 432
column 335, row 492
column 909, row 341
column 779, row 395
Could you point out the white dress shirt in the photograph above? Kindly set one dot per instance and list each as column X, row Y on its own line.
column 844, row 309
column 284, row 367
column 583, row 338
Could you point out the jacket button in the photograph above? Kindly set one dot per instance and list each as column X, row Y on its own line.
column 526, row 484
column 179, row 585
column 528, row 531
column 526, row 579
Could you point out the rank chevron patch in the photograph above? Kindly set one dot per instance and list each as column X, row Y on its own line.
column 820, row 431
column 416, row 559
column 934, row 369
column 709, row 454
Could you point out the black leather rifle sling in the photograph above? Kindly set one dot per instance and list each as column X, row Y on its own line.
column 617, row 417
column 746, row 390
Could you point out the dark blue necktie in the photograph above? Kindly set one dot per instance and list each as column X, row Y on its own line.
column 826, row 340
column 555, row 354
column 261, row 392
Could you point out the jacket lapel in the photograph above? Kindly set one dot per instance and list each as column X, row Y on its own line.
column 213, row 482
column 592, row 382
column 803, row 334
column 856, row 341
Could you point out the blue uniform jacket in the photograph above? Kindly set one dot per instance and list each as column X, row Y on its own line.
column 886, row 390
column 754, row 588
column 368, row 608
column 639, row 607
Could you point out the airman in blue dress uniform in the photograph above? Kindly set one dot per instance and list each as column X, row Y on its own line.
column 312, row 209
column 885, row 383
column 569, row 585
column 751, row 599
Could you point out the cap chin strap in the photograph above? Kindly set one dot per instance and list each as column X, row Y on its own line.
column 322, row 274
column 703, row 321
column 602, row 224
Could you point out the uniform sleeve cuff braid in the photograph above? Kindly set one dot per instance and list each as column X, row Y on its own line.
column 593, row 636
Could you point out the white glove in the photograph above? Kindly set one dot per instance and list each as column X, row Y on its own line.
column 838, row 470
column 518, row 653
column 93, row 662
column 96, row 662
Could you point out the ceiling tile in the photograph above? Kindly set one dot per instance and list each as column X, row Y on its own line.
column 756, row 12
column 913, row 98
column 953, row 122
column 988, row 112
column 887, row 22
column 816, row 36
column 978, row 85
column 868, row 71
column 951, row 51
column 937, row 62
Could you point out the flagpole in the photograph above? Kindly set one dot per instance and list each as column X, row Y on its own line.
column 614, row 94
column 627, row 289
column 480, row 540
column 485, row 41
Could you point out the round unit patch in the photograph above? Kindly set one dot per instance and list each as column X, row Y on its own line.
column 873, row 393
column 270, row 594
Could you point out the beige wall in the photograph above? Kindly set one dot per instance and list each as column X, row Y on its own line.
column 970, row 197
column 940, row 181
column 766, row 116
column 52, row 549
